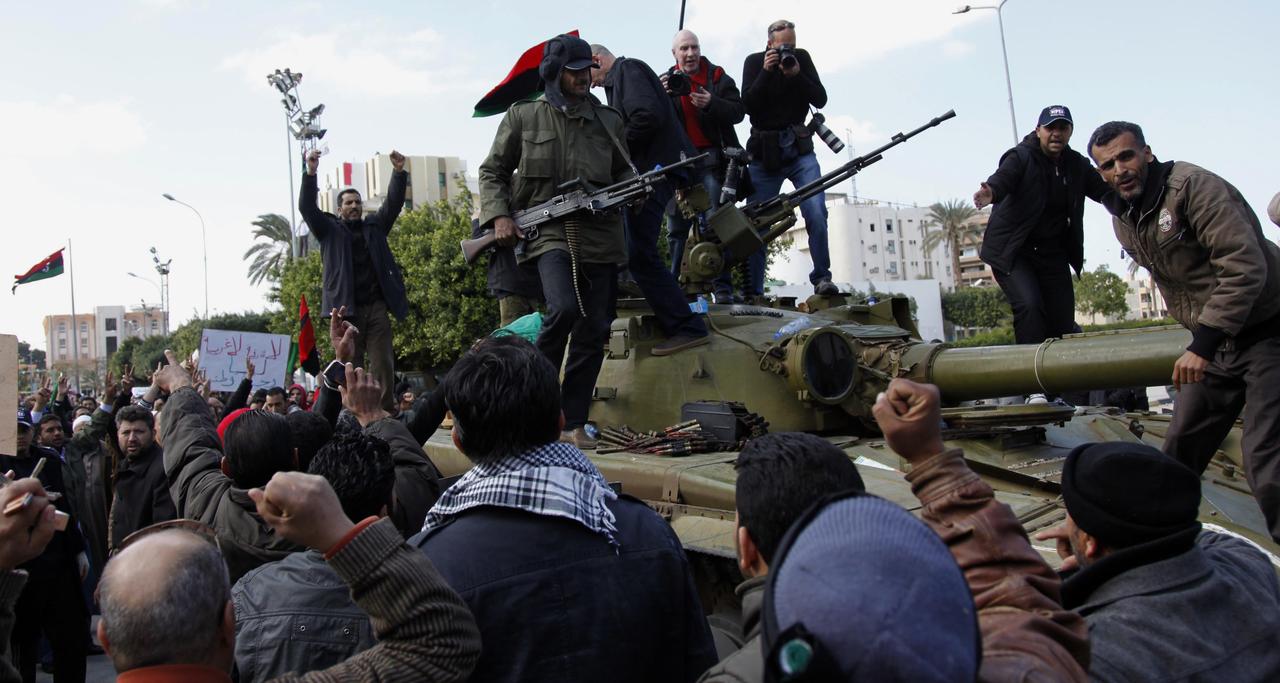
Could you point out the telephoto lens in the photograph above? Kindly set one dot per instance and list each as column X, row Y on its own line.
column 677, row 82
column 737, row 158
column 819, row 127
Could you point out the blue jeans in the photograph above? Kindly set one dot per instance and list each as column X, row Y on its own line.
column 801, row 170
column 645, row 263
column 563, row 325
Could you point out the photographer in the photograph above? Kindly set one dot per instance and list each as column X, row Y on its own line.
column 708, row 104
column 778, row 87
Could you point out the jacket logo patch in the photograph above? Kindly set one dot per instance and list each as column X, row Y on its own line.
column 1165, row 221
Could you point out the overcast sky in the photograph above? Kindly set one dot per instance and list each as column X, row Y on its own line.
column 106, row 106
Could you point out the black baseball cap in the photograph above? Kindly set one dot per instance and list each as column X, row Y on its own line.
column 1055, row 112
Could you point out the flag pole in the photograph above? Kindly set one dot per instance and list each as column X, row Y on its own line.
column 75, row 322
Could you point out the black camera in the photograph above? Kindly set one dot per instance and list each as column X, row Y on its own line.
column 787, row 56
column 678, row 83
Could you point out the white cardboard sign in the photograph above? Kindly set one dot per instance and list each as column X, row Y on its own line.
column 222, row 355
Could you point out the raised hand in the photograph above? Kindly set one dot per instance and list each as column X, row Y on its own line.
column 343, row 335
column 172, row 377
column 313, row 161
column 362, row 395
column 249, row 368
column 397, row 160
column 910, row 416
column 302, row 508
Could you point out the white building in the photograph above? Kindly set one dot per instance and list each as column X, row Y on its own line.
column 869, row 241
column 1145, row 301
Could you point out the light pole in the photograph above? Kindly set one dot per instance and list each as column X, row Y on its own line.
column 145, row 309
column 1008, row 82
column 203, row 244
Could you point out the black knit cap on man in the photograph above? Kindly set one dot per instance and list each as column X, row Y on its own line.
column 360, row 273
column 1220, row 276
column 1165, row 599
column 1035, row 237
column 539, row 146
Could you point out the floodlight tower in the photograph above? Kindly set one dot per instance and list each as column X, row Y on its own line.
column 304, row 126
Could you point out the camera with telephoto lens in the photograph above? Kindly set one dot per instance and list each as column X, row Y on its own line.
column 787, row 56
column 819, row 127
column 678, row 83
column 735, row 161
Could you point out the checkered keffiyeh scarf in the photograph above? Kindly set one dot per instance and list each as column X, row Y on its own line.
column 556, row 480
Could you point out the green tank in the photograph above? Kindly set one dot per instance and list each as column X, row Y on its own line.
column 820, row 371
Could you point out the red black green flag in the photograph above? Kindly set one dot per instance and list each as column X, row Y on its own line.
column 521, row 84
column 308, row 358
column 47, row 268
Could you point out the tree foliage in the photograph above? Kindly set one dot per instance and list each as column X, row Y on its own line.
column 186, row 339
column 273, row 243
column 449, row 303
column 142, row 354
column 299, row 277
column 1101, row 292
column 30, row 356
column 982, row 307
column 948, row 223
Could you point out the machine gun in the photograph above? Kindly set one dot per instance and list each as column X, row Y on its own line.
column 577, row 196
column 743, row 231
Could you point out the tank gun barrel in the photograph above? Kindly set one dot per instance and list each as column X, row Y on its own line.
column 1123, row 358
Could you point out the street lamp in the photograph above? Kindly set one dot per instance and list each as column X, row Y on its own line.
column 204, row 245
column 1007, row 81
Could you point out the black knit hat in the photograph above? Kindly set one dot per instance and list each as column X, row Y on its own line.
column 1128, row 493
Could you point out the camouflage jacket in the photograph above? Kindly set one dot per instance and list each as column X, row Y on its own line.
column 538, row 148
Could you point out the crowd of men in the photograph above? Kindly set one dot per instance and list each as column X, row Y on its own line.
column 275, row 535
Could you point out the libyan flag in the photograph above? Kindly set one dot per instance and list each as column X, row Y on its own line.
column 523, row 83
column 47, row 268
column 303, row 352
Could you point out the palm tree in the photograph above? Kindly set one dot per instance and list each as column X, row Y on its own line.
column 269, row 257
column 950, row 220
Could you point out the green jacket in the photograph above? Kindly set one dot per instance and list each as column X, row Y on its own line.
column 537, row 149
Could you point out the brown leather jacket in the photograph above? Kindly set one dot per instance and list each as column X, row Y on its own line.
column 1026, row 633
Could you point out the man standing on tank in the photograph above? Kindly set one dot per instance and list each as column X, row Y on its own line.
column 1220, row 276
column 562, row 135
column 778, row 87
column 1036, row 233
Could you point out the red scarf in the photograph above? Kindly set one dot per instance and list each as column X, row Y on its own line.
column 698, row 79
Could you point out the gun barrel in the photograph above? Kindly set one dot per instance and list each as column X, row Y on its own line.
column 841, row 174
column 1107, row 360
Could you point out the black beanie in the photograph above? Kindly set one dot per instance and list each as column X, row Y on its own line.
column 1128, row 493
